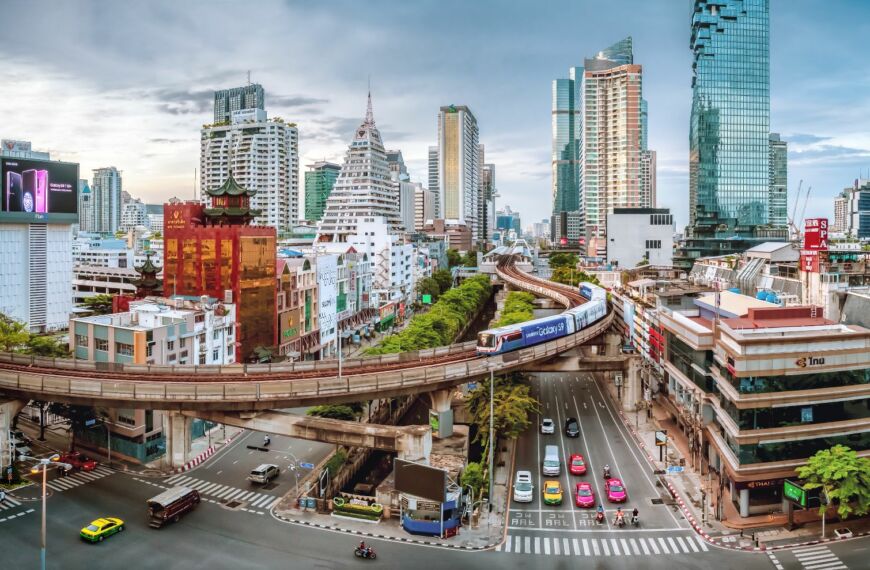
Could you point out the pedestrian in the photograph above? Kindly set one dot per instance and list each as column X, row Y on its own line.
column 2, row 495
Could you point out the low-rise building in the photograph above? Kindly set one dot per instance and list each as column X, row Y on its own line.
column 640, row 236
column 458, row 236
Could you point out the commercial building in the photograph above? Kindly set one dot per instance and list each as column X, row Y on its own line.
column 363, row 189
column 424, row 207
column 319, row 180
column 507, row 219
column 640, row 236
column 729, row 132
column 98, row 251
column 434, row 186
column 567, row 229
column 106, row 190
column 154, row 217
column 457, row 236
column 133, row 214
column 855, row 210
column 297, row 307
column 227, row 101
column 648, row 176
column 459, row 168
column 489, row 193
column 841, row 212
column 86, row 207
column 263, row 155
column 217, row 253
column 38, row 208
column 567, row 119
column 778, row 173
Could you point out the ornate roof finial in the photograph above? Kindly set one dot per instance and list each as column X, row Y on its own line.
column 370, row 117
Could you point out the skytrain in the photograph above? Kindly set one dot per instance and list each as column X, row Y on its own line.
column 530, row 333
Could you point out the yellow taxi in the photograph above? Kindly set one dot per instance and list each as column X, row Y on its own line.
column 101, row 529
column 552, row 492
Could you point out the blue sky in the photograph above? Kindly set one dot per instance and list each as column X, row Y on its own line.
column 112, row 83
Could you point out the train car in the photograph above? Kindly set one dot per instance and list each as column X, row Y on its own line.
column 592, row 292
column 587, row 313
column 521, row 335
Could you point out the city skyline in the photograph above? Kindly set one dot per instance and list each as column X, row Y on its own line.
column 146, row 118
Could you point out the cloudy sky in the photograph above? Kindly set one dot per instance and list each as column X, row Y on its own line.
column 130, row 84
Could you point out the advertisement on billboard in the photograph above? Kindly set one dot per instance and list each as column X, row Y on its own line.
column 810, row 261
column 38, row 191
column 816, row 234
column 420, row 480
column 289, row 323
column 327, row 293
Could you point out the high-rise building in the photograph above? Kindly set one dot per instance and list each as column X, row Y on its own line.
column 489, row 193
column 857, row 223
column 405, row 189
column 86, row 207
column 433, row 180
column 730, row 119
column 226, row 101
column 507, row 219
column 778, row 172
column 459, row 168
column 134, row 214
column 363, row 188
column 424, row 207
column 611, row 150
column 841, row 211
column 214, row 251
column 398, row 170
column 648, row 177
column 567, row 122
column 319, row 180
column 263, row 155
column 106, row 189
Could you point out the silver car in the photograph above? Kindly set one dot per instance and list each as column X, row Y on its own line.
column 524, row 491
column 547, row 426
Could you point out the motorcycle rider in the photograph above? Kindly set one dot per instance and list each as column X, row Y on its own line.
column 599, row 515
column 620, row 516
column 266, row 440
column 607, row 471
column 364, row 549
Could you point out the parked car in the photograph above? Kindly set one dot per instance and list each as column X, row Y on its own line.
column 576, row 464
column 547, row 426
column 264, row 473
column 101, row 529
column 523, row 487
column 19, row 435
column 171, row 504
column 584, row 496
column 78, row 461
column 572, row 427
column 552, row 492
column 616, row 492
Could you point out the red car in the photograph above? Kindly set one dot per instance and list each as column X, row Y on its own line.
column 576, row 465
column 78, row 461
column 584, row 496
column 616, row 492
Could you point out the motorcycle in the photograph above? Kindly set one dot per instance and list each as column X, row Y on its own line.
column 635, row 520
column 606, row 473
column 266, row 441
column 619, row 521
column 368, row 553
column 599, row 517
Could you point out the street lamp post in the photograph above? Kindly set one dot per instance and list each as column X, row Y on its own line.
column 491, row 430
column 44, row 463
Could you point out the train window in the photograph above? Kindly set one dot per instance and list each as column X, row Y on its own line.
column 486, row 339
column 515, row 335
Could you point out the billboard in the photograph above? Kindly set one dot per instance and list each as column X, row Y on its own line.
column 38, row 191
column 816, row 234
column 420, row 480
column 545, row 330
column 327, row 293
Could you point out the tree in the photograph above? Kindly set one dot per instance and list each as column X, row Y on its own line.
column 469, row 259
column 453, row 258
column 99, row 304
column 563, row 260
column 46, row 346
column 334, row 411
column 843, row 477
column 444, row 278
column 13, row 334
column 513, row 406
column 42, row 405
column 77, row 416
column 429, row 286
column 518, row 308
column 473, row 475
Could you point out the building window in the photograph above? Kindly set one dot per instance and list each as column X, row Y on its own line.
column 199, row 318
column 170, row 345
column 149, row 349
column 653, row 244
column 101, row 344
column 217, row 335
column 170, row 358
column 123, row 349
column 214, row 354
column 182, row 343
column 202, row 359
column 81, row 340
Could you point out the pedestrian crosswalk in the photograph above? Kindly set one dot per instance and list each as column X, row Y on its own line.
column 637, row 546
column 818, row 558
column 226, row 492
column 77, row 479
column 9, row 503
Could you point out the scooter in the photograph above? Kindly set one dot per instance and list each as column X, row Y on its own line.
column 606, row 473
column 599, row 517
column 619, row 521
column 368, row 553
column 635, row 520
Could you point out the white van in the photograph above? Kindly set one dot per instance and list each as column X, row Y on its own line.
column 552, row 463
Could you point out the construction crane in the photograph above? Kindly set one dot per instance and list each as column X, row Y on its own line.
column 793, row 222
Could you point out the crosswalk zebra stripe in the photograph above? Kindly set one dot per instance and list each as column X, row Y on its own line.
column 605, row 548
column 634, row 546
column 231, row 496
column 654, row 546
column 262, row 500
column 664, row 545
column 209, row 487
column 528, row 544
column 682, row 544
column 643, row 545
column 595, row 550
column 565, row 549
column 556, row 546
column 614, row 545
column 104, row 470
column 673, row 545
column 701, row 542
column 537, row 545
column 84, row 477
column 225, row 492
column 273, row 503
column 624, row 544
column 692, row 544
column 507, row 544
column 576, row 544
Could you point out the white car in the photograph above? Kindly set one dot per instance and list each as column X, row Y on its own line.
column 524, row 491
column 547, row 426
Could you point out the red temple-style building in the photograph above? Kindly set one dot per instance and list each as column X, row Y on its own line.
column 216, row 252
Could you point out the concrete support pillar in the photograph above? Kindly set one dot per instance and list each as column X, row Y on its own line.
column 744, row 502
column 441, row 414
column 416, row 447
column 8, row 410
column 176, row 428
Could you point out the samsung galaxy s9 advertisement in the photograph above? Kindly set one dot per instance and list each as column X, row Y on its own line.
column 38, row 191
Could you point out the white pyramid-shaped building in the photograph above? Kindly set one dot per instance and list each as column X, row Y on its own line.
column 363, row 188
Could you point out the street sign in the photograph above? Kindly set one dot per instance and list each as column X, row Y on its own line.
column 617, row 379
column 306, row 465
column 472, row 385
column 661, row 437
column 794, row 493
column 90, row 422
column 427, row 299
column 675, row 469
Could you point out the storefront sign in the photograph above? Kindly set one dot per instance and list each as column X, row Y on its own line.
column 794, row 493
column 289, row 325
column 661, row 437
column 816, row 234
column 762, row 484
column 810, row 261
column 805, row 361
column 388, row 310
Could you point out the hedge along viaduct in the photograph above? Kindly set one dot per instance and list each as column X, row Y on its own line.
column 242, row 394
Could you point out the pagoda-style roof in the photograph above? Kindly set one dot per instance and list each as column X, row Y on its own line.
column 231, row 212
column 231, row 188
column 147, row 283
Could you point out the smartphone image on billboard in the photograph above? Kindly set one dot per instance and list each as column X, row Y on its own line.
column 41, row 195
column 28, row 194
column 13, row 192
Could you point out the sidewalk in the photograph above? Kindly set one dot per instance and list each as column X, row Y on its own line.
column 488, row 533
column 749, row 533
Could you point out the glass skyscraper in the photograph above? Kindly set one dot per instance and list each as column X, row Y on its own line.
column 730, row 121
column 567, row 139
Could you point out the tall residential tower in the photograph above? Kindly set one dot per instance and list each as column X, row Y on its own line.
column 226, row 101
column 459, row 167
